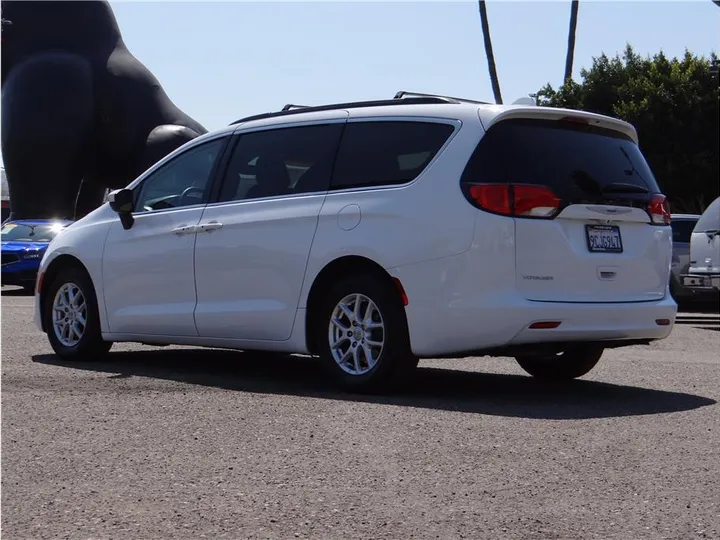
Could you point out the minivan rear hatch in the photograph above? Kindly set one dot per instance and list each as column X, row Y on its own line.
column 705, row 242
column 590, row 221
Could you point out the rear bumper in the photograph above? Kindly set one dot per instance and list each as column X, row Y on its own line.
column 598, row 322
column 697, row 281
column 491, row 325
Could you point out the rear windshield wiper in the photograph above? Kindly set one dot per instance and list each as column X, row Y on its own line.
column 619, row 187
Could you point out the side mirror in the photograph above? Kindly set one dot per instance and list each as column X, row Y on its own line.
column 121, row 201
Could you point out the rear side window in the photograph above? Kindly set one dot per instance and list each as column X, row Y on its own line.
column 710, row 219
column 579, row 163
column 386, row 152
column 682, row 230
column 285, row 161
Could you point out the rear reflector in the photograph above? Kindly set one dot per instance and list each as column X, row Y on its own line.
column 662, row 322
column 659, row 210
column 520, row 200
column 401, row 290
column 544, row 325
column 38, row 284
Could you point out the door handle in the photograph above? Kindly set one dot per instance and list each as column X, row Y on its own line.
column 210, row 226
column 184, row 229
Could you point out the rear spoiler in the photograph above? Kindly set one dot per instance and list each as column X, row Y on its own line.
column 492, row 114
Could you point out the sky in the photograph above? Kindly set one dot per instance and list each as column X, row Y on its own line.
column 220, row 61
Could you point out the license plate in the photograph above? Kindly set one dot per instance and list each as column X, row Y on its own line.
column 603, row 239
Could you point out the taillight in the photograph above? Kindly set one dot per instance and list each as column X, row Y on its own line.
column 659, row 210
column 520, row 200
column 492, row 197
column 534, row 201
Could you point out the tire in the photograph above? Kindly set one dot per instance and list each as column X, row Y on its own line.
column 572, row 363
column 389, row 364
column 90, row 345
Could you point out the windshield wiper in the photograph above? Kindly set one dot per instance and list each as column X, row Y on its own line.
column 620, row 187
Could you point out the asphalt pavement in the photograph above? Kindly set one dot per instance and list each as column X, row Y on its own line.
column 184, row 443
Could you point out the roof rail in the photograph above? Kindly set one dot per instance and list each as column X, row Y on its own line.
column 402, row 93
column 290, row 106
column 296, row 109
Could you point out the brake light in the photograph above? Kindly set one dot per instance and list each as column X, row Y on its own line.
column 574, row 120
column 492, row 197
column 536, row 201
column 520, row 200
column 659, row 210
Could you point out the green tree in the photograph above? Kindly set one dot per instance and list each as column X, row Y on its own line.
column 673, row 104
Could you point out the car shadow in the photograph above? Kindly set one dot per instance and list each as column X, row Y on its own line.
column 697, row 306
column 429, row 388
column 15, row 291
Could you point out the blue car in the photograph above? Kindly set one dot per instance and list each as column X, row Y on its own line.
column 23, row 245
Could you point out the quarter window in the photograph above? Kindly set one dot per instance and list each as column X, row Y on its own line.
column 386, row 152
column 184, row 181
column 284, row 161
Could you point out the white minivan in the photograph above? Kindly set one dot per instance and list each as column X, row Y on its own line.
column 372, row 234
column 704, row 271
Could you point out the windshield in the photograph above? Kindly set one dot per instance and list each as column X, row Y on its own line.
column 20, row 232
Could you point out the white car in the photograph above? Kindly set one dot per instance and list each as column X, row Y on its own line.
column 372, row 234
column 704, row 271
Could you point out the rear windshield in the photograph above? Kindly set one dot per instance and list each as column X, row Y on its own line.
column 579, row 163
column 710, row 219
column 18, row 232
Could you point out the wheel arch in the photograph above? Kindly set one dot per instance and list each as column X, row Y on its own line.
column 342, row 266
column 58, row 264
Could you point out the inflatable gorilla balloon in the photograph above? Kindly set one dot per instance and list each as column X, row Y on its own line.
column 80, row 114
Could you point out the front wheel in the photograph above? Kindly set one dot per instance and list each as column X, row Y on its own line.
column 571, row 363
column 71, row 320
column 362, row 334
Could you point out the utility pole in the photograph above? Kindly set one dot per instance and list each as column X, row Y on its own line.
column 489, row 52
column 571, row 39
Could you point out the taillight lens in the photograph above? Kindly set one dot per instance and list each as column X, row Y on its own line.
column 534, row 201
column 659, row 210
column 521, row 200
column 492, row 197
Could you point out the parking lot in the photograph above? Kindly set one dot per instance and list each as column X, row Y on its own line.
column 188, row 443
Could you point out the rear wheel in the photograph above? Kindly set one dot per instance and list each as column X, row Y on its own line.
column 70, row 314
column 362, row 335
column 570, row 363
